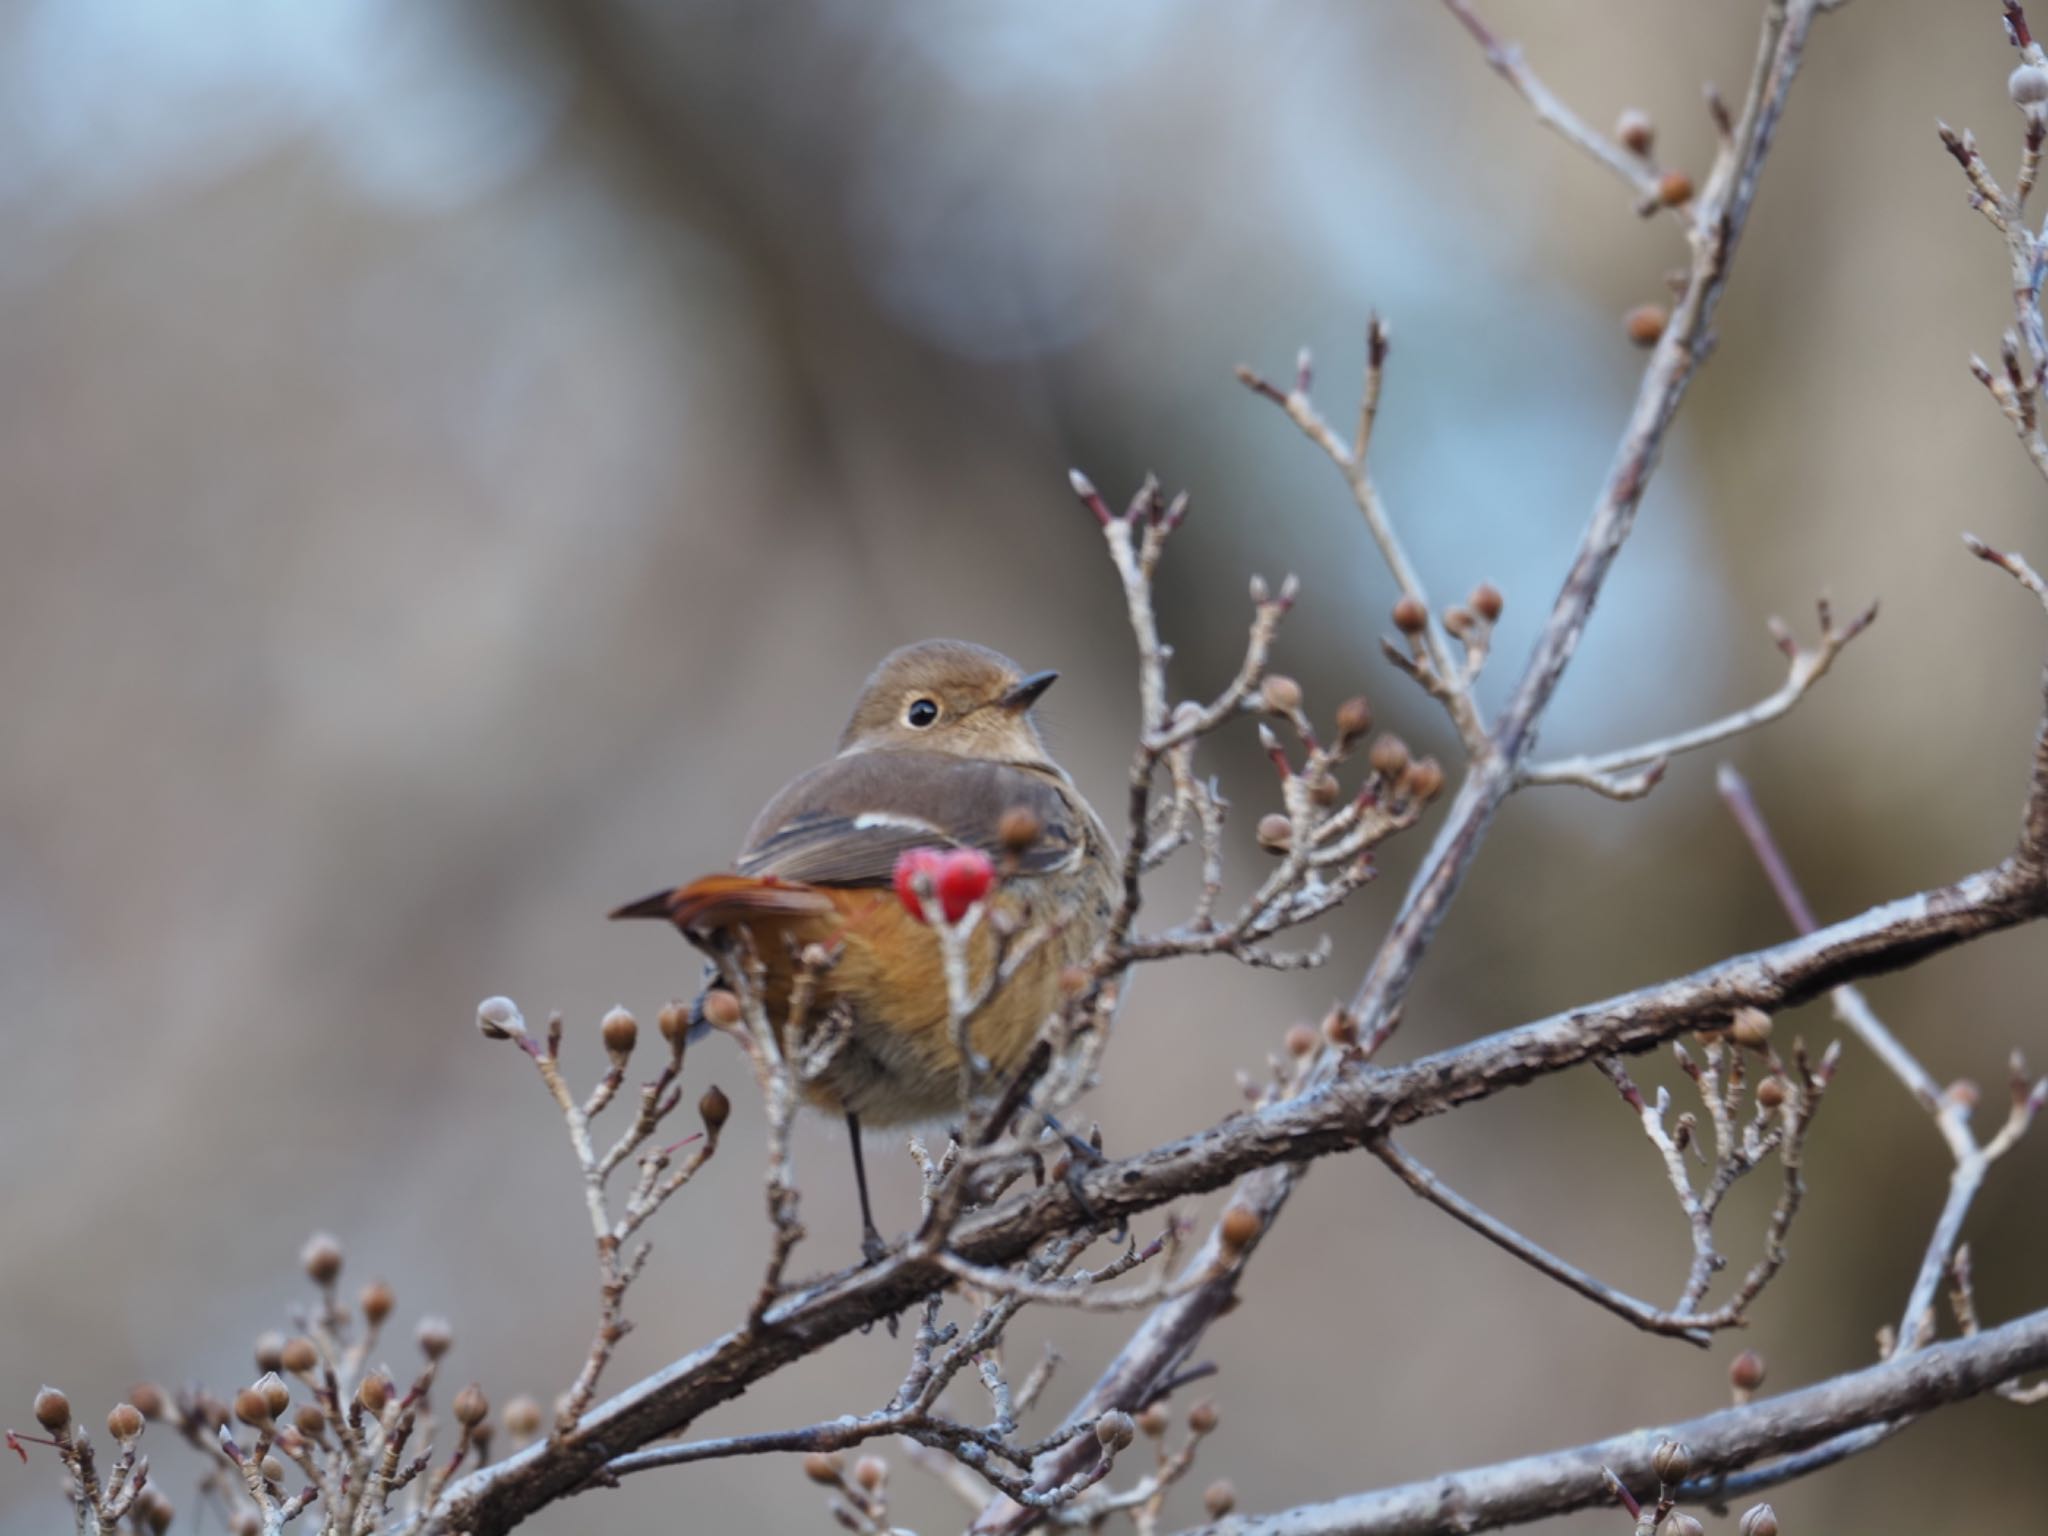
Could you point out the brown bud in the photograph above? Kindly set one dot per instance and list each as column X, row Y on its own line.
column 1635, row 131
column 1354, row 719
column 1410, row 617
column 269, row 1351
column 674, row 1022
column 322, row 1258
column 1751, row 1027
column 714, row 1109
column 298, row 1356
column 245, row 1522
column 374, row 1391
column 124, row 1423
column 1340, row 1027
column 1770, row 1093
column 1239, row 1228
column 273, row 1472
column 156, row 1509
column 53, row 1410
column 434, row 1336
column 1073, row 981
column 376, row 1301
column 1458, row 621
column 252, row 1407
column 1115, row 1430
column 522, row 1418
column 275, row 1392
column 1674, row 188
column 1219, row 1498
column 1202, row 1417
column 1300, row 1040
column 470, row 1407
column 871, row 1472
column 497, row 1017
column 1746, row 1371
column 1155, row 1420
column 820, row 1467
column 1672, row 1462
column 1759, row 1520
column 1645, row 324
column 1019, row 829
column 148, row 1399
column 1281, row 695
column 1487, row 602
column 1423, row 780
column 311, row 1420
column 1324, row 790
column 721, row 1009
column 621, row 1033
column 1276, row 833
column 1389, row 756
column 1682, row 1524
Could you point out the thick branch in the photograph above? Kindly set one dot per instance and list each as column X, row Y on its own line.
column 1538, row 1487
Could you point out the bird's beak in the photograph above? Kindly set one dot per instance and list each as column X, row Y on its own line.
column 1025, row 694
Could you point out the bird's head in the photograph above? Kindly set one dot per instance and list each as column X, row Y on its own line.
column 950, row 696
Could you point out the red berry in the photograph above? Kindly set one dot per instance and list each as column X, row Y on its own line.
column 911, row 864
column 964, row 878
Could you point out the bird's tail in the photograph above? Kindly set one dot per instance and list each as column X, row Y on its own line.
column 720, row 901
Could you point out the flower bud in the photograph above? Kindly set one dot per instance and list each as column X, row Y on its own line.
column 522, row 1418
column 1354, row 719
column 470, row 1407
column 245, row 1522
column 1770, row 1093
column 674, row 1021
column 498, row 1018
column 376, row 1301
column 1275, row 833
column 1281, row 695
column 1458, row 620
column 434, row 1336
column 1389, row 756
column 322, row 1258
column 252, row 1407
column 1672, row 1461
column 1487, row 602
column 1073, row 981
column 53, row 1410
column 1423, row 779
column 273, row 1472
column 1115, row 1430
column 1674, row 188
column 310, row 1420
column 871, row 1472
column 275, row 1393
column 822, row 1467
column 621, row 1032
column 269, row 1351
column 1750, row 1027
column 1759, row 1520
column 1239, row 1229
column 148, row 1399
column 1645, row 324
column 2028, row 85
column 1410, row 617
column 721, row 1009
column 1682, row 1524
column 374, row 1391
column 124, row 1423
column 1155, row 1420
column 1635, row 132
column 298, row 1356
column 1324, row 790
column 1202, row 1418
column 1019, row 829
column 1300, row 1040
column 155, row 1509
column 1219, row 1498
column 1746, row 1371
column 714, row 1109
column 1340, row 1027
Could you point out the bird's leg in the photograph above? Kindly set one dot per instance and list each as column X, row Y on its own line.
column 1084, row 1153
column 871, row 1245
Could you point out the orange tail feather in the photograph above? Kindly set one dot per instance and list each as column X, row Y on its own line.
column 720, row 901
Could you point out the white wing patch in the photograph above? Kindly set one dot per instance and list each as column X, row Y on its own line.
column 876, row 821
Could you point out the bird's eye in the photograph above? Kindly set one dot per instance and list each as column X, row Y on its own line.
column 922, row 712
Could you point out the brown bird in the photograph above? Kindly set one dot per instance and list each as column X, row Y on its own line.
column 940, row 748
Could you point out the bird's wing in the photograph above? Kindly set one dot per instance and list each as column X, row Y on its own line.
column 849, row 820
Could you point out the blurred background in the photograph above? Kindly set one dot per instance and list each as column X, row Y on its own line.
column 456, row 459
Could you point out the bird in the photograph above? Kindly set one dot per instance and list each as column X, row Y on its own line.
column 941, row 752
